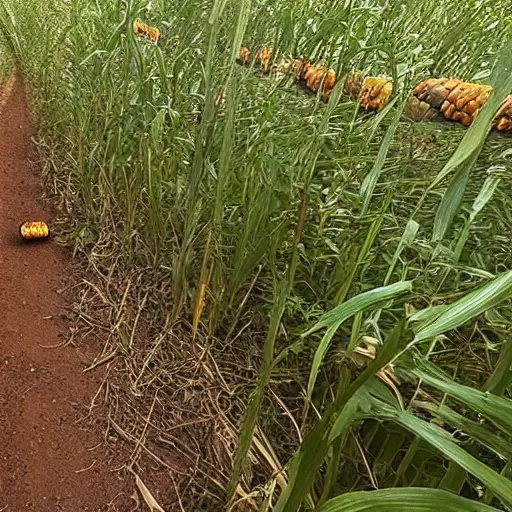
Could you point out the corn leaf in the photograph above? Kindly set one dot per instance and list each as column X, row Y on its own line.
column 497, row 409
column 439, row 439
column 408, row 236
column 454, row 478
column 485, row 194
column 350, row 400
column 335, row 318
column 404, row 499
column 369, row 182
column 501, row 377
column 359, row 303
column 348, row 415
column 473, row 429
column 468, row 307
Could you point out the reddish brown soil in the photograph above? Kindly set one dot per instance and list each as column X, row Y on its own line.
column 48, row 462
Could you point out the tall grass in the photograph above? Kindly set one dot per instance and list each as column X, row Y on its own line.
column 273, row 213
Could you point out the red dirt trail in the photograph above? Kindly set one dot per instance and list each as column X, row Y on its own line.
column 48, row 462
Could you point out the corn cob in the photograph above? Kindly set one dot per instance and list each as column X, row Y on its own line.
column 329, row 83
column 141, row 29
column 417, row 110
column 34, row 230
column 455, row 100
column 374, row 93
column 244, row 56
column 290, row 66
column 311, row 75
column 353, row 84
column 314, row 75
column 264, row 59
column 461, row 101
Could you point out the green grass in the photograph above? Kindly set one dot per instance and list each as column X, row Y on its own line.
column 229, row 235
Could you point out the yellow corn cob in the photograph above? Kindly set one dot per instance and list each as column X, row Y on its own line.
column 290, row 66
column 313, row 75
column 264, row 59
column 244, row 56
column 373, row 92
column 461, row 101
column 454, row 99
column 376, row 92
column 34, row 230
column 503, row 119
column 141, row 29
column 329, row 83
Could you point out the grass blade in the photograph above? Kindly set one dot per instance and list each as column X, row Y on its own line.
column 369, row 182
column 501, row 377
column 359, row 303
column 336, row 420
column 473, row 429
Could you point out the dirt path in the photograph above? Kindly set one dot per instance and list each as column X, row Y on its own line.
column 48, row 462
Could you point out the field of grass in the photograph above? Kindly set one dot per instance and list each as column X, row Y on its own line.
column 239, row 254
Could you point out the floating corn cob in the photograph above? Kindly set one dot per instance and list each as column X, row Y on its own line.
column 454, row 99
column 141, row 29
column 264, row 59
column 244, row 56
column 374, row 92
column 290, row 66
column 316, row 75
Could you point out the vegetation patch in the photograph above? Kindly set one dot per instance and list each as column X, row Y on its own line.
column 303, row 305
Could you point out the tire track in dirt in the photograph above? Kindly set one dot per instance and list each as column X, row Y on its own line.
column 46, row 459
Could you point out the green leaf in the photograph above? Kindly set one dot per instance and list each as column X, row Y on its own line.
column 348, row 415
column 441, row 440
column 485, row 194
column 475, row 430
column 501, row 377
column 495, row 408
column 454, row 479
column 359, row 303
column 335, row 318
column 370, row 180
column 309, row 456
column 256, row 398
column 468, row 307
column 313, row 450
column 408, row 236
column 408, row 499
column 454, row 194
